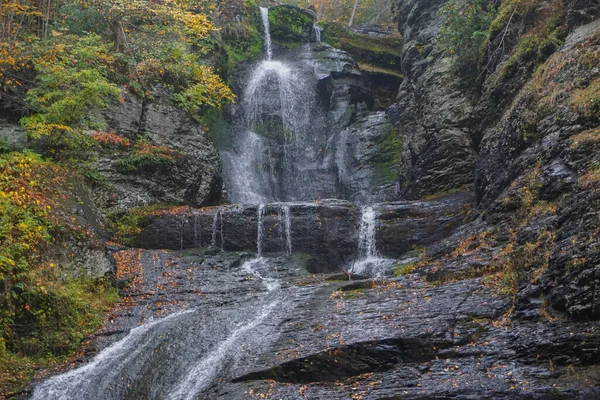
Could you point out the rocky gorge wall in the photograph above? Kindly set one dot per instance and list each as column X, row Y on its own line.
column 526, row 142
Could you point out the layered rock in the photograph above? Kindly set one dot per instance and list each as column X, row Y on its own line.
column 195, row 176
column 326, row 230
column 432, row 114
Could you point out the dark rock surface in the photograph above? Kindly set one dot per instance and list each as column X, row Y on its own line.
column 195, row 178
column 325, row 230
column 432, row 114
column 384, row 339
column 13, row 135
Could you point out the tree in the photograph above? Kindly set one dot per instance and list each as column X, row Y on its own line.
column 320, row 10
column 122, row 16
column 353, row 13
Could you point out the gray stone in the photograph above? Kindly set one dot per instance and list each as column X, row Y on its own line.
column 13, row 135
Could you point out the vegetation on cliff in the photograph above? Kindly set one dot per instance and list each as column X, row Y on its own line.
column 60, row 64
column 45, row 311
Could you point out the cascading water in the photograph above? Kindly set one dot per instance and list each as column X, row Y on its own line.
column 288, row 228
column 182, row 355
column 202, row 374
column 318, row 32
column 277, row 144
column 215, row 229
column 277, row 154
column 370, row 262
column 259, row 235
column 264, row 14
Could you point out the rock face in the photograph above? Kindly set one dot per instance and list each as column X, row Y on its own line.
column 408, row 225
column 13, row 135
column 325, row 230
column 306, row 337
column 196, row 176
column 366, row 156
column 431, row 114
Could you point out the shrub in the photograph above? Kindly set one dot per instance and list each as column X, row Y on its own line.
column 43, row 313
column 72, row 79
column 148, row 158
column 109, row 140
column 464, row 34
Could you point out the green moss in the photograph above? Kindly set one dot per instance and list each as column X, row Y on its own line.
column 218, row 129
column 290, row 26
column 379, row 52
column 387, row 160
column 378, row 70
column 126, row 226
column 532, row 50
column 240, row 41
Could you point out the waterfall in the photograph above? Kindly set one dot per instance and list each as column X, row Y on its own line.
column 217, row 229
column 203, row 373
column 108, row 366
column 289, row 103
column 366, row 239
column 276, row 141
column 318, row 30
column 264, row 14
column 288, row 228
column 370, row 262
column 259, row 235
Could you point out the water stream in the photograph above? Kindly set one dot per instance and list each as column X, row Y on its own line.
column 278, row 140
column 369, row 262
column 276, row 155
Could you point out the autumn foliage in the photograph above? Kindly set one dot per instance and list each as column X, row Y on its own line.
column 44, row 315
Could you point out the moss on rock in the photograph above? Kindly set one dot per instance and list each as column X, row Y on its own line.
column 290, row 26
column 377, row 51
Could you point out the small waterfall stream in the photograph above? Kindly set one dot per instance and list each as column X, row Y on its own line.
column 264, row 14
column 369, row 263
column 318, row 32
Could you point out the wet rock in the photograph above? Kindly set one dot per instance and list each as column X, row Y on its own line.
column 432, row 114
column 194, row 178
column 366, row 156
column 325, row 230
column 404, row 226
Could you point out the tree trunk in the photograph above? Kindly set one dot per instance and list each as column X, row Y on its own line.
column 119, row 32
column 353, row 13
column 321, row 9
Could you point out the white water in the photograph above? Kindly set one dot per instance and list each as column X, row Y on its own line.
column 318, row 31
column 108, row 364
column 370, row 262
column 291, row 97
column 245, row 166
column 215, row 223
column 264, row 14
column 203, row 373
column 252, row 266
column 272, row 149
column 259, row 235
column 288, row 228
